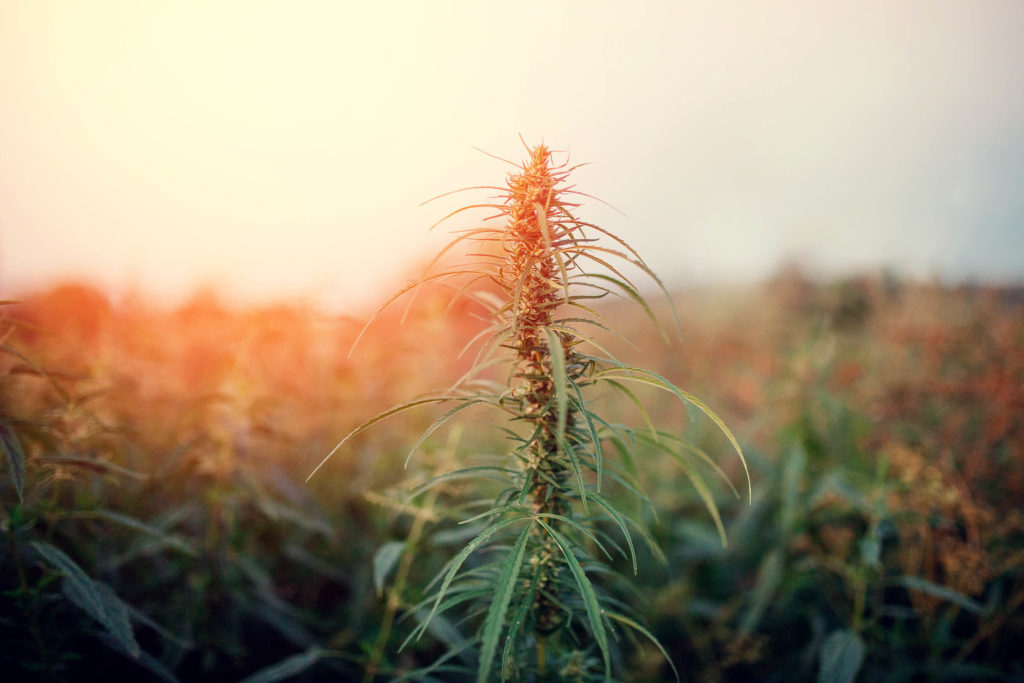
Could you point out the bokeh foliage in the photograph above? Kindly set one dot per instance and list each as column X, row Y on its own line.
column 156, row 525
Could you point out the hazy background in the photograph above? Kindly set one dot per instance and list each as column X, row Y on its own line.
column 281, row 149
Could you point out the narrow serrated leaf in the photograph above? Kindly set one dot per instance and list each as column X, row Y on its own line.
column 518, row 619
column 595, row 438
column 560, row 380
column 94, row 598
column 457, row 561
column 593, row 608
column 621, row 521
column 561, row 383
column 503, row 591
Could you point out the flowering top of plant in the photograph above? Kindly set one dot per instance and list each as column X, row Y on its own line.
column 547, row 270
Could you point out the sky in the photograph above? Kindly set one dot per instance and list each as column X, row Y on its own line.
column 283, row 149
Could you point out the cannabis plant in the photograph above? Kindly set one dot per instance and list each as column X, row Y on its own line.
column 544, row 608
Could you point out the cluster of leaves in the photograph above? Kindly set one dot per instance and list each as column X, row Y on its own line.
column 152, row 498
column 881, row 541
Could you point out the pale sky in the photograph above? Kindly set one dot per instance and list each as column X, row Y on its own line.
column 282, row 149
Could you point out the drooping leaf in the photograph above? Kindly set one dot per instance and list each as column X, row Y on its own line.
column 621, row 521
column 628, row 393
column 579, row 527
column 705, row 495
column 481, row 471
column 653, row 379
column 634, row 295
column 93, row 597
column 374, row 420
column 650, row 636
column 439, row 422
column 699, row 452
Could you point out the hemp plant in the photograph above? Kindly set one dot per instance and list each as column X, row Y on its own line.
column 539, row 610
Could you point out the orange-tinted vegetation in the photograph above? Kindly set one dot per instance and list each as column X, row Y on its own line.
column 164, row 454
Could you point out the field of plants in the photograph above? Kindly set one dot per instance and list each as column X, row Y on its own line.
column 158, row 526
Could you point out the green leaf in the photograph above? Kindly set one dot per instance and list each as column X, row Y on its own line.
column 378, row 418
column 384, row 560
column 623, row 389
column 842, row 654
column 621, row 521
column 287, row 668
column 481, row 471
column 662, row 383
column 145, row 660
column 557, row 354
column 159, row 534
column 650, row 636
column 518, row 619
column 94, row 598
column 769, row 576
column 939, row 591
column 590, row 602
column 499, row 605
column 639, row 262
column 561, row 382
column 705, row 495
column 579, row 527
column 594, row 436
column 625, row 455
column 11, row 447
column 440, row 421
column 634, row 295
column 457, row 561
column 699, row 452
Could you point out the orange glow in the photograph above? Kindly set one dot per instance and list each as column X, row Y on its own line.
column 281, row 148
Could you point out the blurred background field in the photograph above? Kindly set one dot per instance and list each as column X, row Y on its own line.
column 157, row 524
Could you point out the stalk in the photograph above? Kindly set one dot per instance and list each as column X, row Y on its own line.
column 537, row 284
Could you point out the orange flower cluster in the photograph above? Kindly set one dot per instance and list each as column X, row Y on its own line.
column 535, row 277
